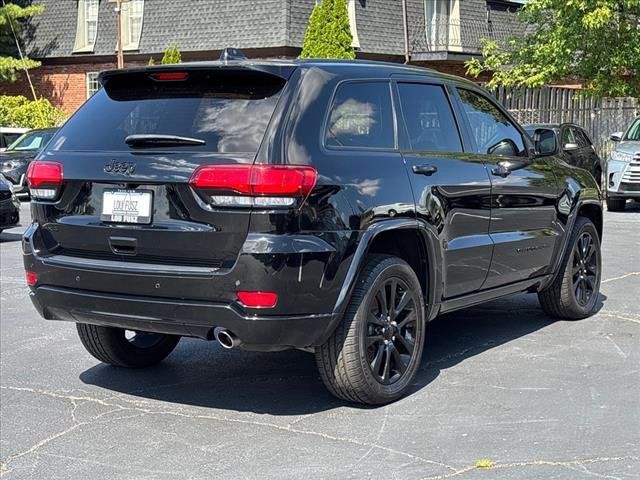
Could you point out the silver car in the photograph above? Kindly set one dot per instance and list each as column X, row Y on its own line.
column 623, row 168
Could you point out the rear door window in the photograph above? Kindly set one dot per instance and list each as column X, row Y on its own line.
column 228, row 109
column 428, row 118
column 491, row 128
column 361, row 116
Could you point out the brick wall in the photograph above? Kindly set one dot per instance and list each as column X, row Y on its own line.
column 64, row 85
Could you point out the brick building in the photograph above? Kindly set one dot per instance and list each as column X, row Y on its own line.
column 75, row 39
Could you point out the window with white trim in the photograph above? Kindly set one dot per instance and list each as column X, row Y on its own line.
column 87, row 26
column 132, row 16
column 93, row 85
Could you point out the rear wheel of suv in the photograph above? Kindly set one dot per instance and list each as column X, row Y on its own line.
column 375, row 351
column 126, row 348
column 616, row 204
column 574, row 293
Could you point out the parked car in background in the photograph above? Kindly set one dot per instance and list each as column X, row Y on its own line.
column 330, row 206
column 8, row 135
column 574, row 146
column 623, row 168
column 9, row 205
column 15, row 159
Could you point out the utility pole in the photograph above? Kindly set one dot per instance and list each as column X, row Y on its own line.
column 120, row 53
column 405, row 19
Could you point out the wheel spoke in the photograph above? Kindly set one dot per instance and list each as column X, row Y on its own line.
column 377, row 360
column 410, row 318
column 382, row 299
column 392, row 297
column 374, row 339
column 405, row 301
column 372, row 319
column 407, row 344
column 397, row 359
column 387, row 362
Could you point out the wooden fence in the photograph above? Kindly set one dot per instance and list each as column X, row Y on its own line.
column 598, row 116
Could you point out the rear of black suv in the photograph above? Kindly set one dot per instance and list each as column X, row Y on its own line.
column 158, row 209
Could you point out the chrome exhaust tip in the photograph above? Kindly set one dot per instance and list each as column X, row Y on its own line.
column 227, row 339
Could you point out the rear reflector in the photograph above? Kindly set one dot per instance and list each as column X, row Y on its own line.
column 256, row 180
column 32, row 278
column 170, row 76
column 258, row 299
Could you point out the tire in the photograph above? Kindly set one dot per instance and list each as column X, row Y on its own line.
column 568, row 297
column 111, row 345
column 616, row 204
column 366, row 341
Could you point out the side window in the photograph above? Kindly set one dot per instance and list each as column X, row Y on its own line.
column 582, row 138
column 361, row 116
column 429, row 119
column 568, row 136
column 493, row 131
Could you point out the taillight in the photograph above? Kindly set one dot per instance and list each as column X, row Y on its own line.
column 45, row 179
column 32, row 278
column 242, row 185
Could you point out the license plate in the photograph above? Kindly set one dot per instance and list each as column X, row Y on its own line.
column 127, row 206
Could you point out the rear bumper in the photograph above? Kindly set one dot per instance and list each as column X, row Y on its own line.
column 193, row 301
column 179, row 317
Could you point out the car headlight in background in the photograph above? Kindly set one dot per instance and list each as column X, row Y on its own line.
column 10, row 165
column 621, row 156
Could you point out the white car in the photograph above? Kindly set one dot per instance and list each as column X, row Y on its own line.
column 623, row 168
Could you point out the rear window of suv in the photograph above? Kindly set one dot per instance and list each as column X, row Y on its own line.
column 228, row 109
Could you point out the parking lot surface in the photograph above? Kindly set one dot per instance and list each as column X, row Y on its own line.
column 501, row 386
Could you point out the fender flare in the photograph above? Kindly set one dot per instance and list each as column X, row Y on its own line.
column 433, row 274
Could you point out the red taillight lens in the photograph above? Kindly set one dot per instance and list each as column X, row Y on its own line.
column 32, row 278
column 170, row 76
column 42, row 173
column 258, row 299
column 256, row 180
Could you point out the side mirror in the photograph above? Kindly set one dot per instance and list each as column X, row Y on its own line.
column 545, row 142
column 570, row 147
column 504, row 148
column 616, row 137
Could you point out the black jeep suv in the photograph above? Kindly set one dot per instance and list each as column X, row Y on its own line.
column 328, row 206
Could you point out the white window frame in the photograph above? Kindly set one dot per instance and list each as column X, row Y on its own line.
column 132, row 14
column 442, row 17
column 91, row 81
column 88, row 13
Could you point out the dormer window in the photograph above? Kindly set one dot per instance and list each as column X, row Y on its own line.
column 132, row 16
column 87, row 26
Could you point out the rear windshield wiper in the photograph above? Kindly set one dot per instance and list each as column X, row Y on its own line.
column 154, row 139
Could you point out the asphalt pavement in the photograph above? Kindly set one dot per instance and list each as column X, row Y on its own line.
column 501, row 386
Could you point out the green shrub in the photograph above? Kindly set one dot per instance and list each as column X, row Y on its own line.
column 171, row 55
column 328, row 33
column 19, row 111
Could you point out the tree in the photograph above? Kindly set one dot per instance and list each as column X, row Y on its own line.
column 11, row 17
column 18, row 111
column 171, row 55
column 596, row 42
column 328, row 32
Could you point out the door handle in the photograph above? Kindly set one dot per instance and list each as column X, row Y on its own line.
column 427, row 170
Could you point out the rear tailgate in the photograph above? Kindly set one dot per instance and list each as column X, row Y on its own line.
column 132, row 202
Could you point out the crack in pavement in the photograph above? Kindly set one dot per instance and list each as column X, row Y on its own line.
column 284, row 428
column 619, row 316
column 626, row 275
column 569, row 464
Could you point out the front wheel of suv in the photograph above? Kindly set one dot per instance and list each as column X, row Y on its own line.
column 575, row 291
column 126, row 348
column 375, row 351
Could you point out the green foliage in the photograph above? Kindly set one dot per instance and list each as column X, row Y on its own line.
column 596, row 42
column 18, row 111
column 13, row 15
column 328, row 33
column 152, row 61
column 171, row 55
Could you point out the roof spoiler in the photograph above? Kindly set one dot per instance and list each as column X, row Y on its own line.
column 277, row 69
